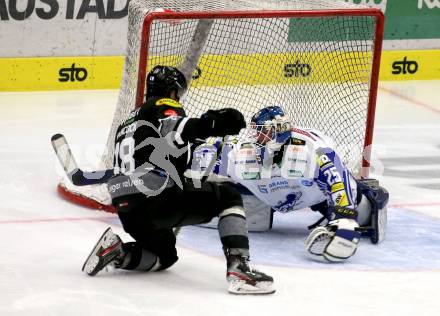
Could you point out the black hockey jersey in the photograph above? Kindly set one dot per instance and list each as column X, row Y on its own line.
column 152, row 148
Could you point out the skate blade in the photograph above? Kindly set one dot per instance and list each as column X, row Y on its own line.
column 92, row 260
column 240, row 287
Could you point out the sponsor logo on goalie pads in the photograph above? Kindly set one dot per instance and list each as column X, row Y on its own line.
column 335, row 242
column 246, row 165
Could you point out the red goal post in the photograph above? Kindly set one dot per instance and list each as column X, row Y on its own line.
column 237, row 69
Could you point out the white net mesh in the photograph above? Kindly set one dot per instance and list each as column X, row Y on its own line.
column 317, row 67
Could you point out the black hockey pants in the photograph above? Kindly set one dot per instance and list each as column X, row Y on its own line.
column 150, row 220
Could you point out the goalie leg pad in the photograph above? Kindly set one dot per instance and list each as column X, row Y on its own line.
column 373, row 200
column 259, row 216
column 379, row 222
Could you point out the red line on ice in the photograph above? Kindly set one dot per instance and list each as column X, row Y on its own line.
column 416, row 102
column 404, row 205
column 60, row 219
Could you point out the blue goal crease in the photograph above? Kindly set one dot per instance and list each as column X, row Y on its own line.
column 412, row 243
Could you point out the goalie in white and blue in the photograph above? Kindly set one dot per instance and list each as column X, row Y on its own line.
column 291, row 168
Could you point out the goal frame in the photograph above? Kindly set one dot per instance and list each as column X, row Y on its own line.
column 172, row 15
column 374, row 79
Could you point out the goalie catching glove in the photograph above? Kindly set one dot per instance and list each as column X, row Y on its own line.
column 223, row 122
column 335, row 242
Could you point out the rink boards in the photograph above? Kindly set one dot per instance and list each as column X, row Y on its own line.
column 105, row 72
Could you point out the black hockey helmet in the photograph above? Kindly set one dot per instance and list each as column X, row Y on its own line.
column 162, row 80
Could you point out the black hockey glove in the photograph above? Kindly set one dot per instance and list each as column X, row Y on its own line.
column 223, row 122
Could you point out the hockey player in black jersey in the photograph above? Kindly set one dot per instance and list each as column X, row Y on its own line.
column 148, row 189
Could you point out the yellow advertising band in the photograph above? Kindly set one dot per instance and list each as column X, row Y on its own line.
column 105, row 72
column 60, row 73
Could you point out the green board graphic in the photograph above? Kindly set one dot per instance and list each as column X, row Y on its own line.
column 404, row 19
column 319, row 29
column 412, row 19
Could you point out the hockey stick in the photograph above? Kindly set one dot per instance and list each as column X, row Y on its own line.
column 76, row 175
column 81, row 178
column 195, row 49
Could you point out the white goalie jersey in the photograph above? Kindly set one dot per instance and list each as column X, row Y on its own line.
column 286, row 178
column 303, row 172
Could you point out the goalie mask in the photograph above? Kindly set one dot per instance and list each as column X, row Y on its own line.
column 271, row 125
column 163, row 80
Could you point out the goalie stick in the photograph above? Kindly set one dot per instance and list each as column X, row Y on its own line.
column 76, row 175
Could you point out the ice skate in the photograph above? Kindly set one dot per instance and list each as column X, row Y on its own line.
column 108, row 250
column 243, row 279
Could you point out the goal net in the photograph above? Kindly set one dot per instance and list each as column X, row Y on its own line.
column 317, row 59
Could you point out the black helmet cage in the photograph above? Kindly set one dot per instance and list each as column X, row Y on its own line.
column 162, row 80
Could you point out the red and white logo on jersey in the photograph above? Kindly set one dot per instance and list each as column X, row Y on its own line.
column 170, row 112
column 305, row 133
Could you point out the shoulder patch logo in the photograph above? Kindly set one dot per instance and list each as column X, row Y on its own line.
column 305, row 133
column 297, row 141
column 169, row 102
column 170, row 112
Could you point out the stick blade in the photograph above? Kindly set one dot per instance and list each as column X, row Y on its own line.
column 64, row 154
column 56, row 137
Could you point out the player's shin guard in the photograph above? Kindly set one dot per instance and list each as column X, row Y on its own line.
column 233, row 230
column 139, row 259
column 242, row 279
column 108, row 250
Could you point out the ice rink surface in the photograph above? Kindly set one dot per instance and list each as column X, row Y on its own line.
column 44, row 239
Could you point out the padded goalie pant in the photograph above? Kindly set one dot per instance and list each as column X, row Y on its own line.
column 150, row 220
